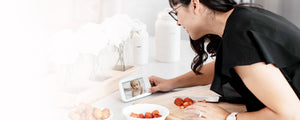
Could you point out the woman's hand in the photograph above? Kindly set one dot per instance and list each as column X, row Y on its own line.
column 209, row 111
column 160, row 84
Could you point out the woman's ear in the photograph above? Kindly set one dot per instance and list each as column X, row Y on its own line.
column 196, row 6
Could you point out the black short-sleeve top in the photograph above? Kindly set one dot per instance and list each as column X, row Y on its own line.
column 254, row 35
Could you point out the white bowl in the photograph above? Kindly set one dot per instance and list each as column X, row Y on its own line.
column 143, row 108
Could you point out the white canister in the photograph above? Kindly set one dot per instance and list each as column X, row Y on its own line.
column 167, row 38
column 140, row 48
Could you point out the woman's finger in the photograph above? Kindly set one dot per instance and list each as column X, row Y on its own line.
column 192, row 111
column 197, row 105
column 154, row 89
column 200, row 112
column 152, row 81
column 195, row 118
column 197, row 113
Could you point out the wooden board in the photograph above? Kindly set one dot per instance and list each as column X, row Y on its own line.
column 167, row 100
column 91, row 91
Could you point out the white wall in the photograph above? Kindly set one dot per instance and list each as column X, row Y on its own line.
column 58, row 14
column 290, row 9
column 62, row 14
column 286, row 8
column 272, row 5
column 68, row 14
column 147, row 11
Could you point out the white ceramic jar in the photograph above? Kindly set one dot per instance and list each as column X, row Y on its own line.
column 167, row 38
column 140, row 48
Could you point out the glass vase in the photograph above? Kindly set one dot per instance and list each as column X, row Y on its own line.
column 120, row 65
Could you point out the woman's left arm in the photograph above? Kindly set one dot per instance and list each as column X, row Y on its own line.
column 269, row 85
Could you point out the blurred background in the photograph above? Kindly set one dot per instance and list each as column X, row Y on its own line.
column 71, row 13
column 57, row 15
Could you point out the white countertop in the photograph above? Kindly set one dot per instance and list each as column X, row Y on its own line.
column 164, row 70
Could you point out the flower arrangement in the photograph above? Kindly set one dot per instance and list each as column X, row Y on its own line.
column 118, row 28
column 67, row 46
column 121, row 28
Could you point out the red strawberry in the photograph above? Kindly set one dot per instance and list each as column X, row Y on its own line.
column 187, row 99
column 178, row 102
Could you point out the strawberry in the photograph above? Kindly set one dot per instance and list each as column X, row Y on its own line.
column 155, row 112
column 178, row 102
column 187, row 99
column 141, row 115
column 134, row 115
column 148, row 115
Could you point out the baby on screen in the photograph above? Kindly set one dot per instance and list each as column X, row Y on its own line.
column 136, row 88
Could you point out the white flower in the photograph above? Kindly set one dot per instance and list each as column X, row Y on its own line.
column 139, row 31
column 117, row 29
column 137, row 25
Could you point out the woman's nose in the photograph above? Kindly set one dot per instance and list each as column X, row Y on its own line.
column 178, row 23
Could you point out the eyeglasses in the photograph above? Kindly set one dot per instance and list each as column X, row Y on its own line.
column 173, row 14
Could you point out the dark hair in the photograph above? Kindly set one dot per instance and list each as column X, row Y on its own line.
column 214, row 40
column 217, row 5
column 202, row 55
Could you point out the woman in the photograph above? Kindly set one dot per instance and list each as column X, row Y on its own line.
column 257, row 55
